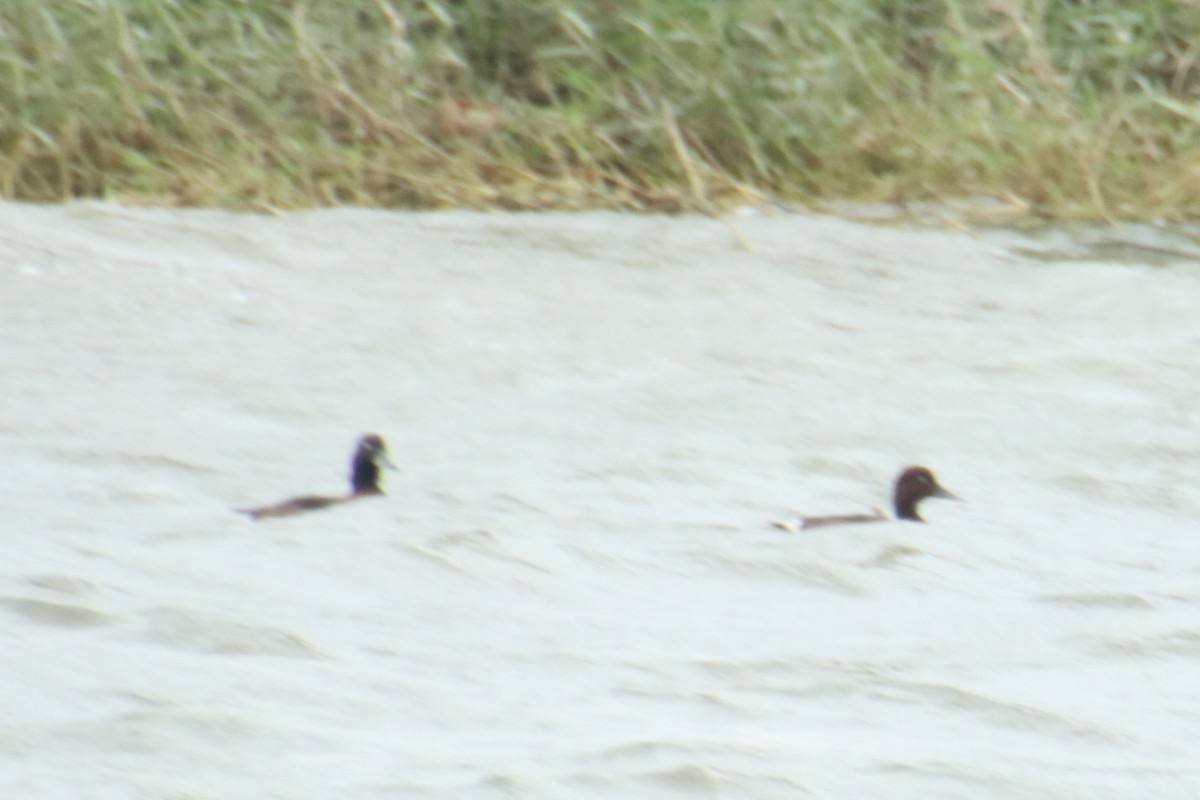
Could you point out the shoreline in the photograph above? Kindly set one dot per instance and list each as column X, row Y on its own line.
column 1079, row 113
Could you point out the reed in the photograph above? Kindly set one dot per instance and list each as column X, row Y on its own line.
column 1086, row 109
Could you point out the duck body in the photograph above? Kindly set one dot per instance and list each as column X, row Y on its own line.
column 294, row 505
column 369, row 453
column 913, row 485
column 807, row 523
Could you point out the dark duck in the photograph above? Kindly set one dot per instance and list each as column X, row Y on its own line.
column 913, row 485
column 369, row 455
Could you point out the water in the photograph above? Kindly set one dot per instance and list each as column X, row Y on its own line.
column 572, row 589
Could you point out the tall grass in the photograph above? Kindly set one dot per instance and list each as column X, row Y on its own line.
column 1077, row 108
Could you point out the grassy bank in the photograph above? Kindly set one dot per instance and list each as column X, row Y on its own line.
column 1087, row 108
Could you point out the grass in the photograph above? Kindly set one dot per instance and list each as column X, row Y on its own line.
column 1079, row 109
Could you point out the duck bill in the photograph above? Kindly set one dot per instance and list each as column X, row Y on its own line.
column 945, row 495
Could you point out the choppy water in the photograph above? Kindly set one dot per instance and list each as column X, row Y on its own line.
column 571, row 590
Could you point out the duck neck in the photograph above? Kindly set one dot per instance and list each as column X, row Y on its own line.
column 364, row 474
column 906, row 508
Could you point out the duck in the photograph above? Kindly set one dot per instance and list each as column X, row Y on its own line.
column 913, row 485
column 370, row 453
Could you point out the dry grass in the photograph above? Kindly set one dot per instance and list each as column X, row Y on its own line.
column 1082, row 109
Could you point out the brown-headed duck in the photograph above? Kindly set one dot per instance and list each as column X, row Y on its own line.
column 369, row 454
column 913, row 485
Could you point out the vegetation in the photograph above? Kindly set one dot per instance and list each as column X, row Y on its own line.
column 1065, row 108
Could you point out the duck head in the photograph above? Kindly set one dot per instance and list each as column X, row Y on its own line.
column 912, row 486
column 369, row 455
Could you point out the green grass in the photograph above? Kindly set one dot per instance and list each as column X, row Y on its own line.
column 1080, row 108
